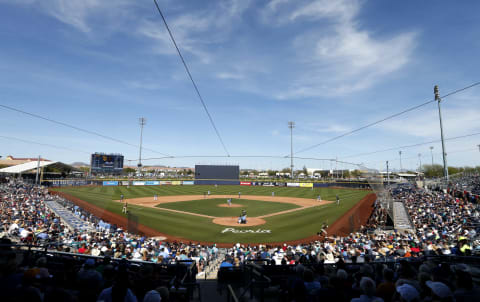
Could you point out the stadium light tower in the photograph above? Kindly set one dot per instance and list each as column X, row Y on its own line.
column 400, row 154
column 142, row 122
column 420, row 160
column 291, row 125
column 388, row 176
column 444, row 153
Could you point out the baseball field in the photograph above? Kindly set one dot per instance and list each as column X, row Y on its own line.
column 274, row 214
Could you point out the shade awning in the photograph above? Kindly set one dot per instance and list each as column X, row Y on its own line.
column 26, row 167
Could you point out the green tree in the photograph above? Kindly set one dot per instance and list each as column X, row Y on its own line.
column 271, row 173
column 128, row 170
column 356, row 173
column 431, row 171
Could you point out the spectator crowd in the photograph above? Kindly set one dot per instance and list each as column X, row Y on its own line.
column 354, row 267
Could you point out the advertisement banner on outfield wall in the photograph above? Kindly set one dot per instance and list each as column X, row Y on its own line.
column 176, row 182
column 188, row 182
column 293, row 184
column 138, row 183
column 165, row 182
column 245, row 183
column 110, row 183
column 152, row 183
column 125, row 183
column 306, row 185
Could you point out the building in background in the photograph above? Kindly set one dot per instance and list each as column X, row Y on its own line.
column 12, row 161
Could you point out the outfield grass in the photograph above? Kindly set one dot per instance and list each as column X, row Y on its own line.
column 289, row 226
column 211, row 207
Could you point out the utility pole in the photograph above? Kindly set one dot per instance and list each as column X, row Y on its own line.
column 431, row 153
column 142, row 122
column 336, row 166
column 400, row 153
column 388, row 176
column 291, row 125
column 38, row 170
column 444, row 152
column 420, row 160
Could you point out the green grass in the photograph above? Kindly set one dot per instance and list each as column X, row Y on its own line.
column 211, row 207
column 289, row 226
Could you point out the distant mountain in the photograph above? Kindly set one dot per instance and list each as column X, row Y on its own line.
column 79, row 164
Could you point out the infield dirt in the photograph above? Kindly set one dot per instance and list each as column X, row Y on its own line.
column 303, row 203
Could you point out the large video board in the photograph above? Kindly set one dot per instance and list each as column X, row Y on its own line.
column 106, row 163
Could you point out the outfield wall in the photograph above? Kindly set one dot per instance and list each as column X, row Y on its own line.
column 210, row 182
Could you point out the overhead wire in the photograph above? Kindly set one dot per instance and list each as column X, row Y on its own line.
column 191, row 78
column 245, row 156
column 385, row 118
column 423, row 155
column 43, row 144
column 77, row 128
column 411, row 146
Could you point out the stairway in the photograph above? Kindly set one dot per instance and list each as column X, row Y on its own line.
column 401, row 218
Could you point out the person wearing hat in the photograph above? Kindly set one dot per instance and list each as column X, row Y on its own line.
column 439, row 291
column 89, row 281
column 407, row 293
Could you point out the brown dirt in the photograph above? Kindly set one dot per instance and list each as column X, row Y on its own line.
column 233, row 221
column 233, row 205
column 304, row 203
column 149, row 202
column 354, row 218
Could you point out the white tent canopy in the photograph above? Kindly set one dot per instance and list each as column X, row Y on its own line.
column 26, row 167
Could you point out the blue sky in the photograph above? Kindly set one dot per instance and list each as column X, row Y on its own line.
column 330, row 66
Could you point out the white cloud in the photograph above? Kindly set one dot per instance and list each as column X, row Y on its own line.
column 146, row 84
column 331, row 128
column 427, row 124
column 229, row 76
column 79, row 14
column 344, row 10
column 195, row 31
column 339, row 57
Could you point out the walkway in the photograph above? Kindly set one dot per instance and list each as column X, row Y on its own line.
column 401, row 218
column 70, row 219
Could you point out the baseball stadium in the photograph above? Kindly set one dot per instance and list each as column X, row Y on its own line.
column 238, row 150
column 201, row 212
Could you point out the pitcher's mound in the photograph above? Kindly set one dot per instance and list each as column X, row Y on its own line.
column 233, row 221
column 233, row 205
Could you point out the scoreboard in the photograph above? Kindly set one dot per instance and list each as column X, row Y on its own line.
column 106, row 163
column 217, row 172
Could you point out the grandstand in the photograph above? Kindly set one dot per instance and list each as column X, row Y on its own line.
column 54, row 233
